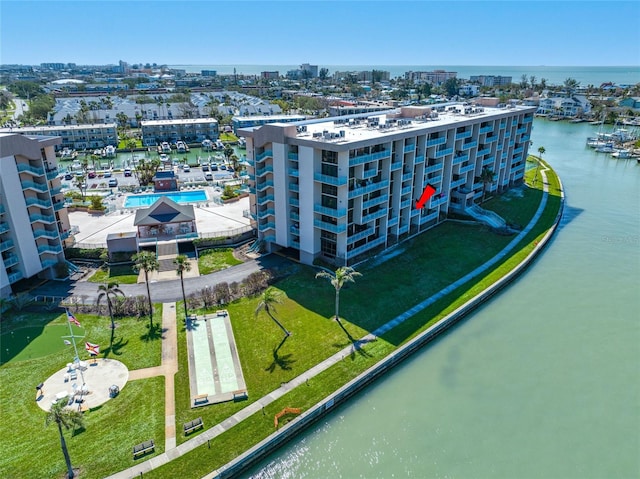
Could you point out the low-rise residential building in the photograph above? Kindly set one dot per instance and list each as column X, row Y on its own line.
column 34, row 223
column 576, row 105
column 191, row 130
column 435, row 77
column 343, row 188
column 239, row 122
column 74, row 137
column 491, row 80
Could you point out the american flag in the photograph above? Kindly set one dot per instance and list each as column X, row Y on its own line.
column 93, row 349
column 72, row 318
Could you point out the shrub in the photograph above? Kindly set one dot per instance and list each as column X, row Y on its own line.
column 82, row 253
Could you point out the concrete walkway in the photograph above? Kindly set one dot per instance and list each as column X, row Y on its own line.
column 257, row 406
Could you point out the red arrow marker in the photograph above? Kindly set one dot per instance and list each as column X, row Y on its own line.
column 426, row 194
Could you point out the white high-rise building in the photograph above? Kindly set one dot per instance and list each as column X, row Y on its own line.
column 346, row 187
column 33, row 219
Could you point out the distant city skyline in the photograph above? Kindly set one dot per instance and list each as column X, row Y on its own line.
column 569, row 33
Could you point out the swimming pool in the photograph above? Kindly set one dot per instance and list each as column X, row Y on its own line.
column 136, row 201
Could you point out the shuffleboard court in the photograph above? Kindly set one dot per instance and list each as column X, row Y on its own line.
column 215, row 374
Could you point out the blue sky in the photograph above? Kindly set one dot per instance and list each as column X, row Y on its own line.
column 414, row 32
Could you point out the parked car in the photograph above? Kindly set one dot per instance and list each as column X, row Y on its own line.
column 208, row 176
column 186, row 168
column 113, row 182
column 205, row 166
column 91, row 174
column 68, row 176
column 127, row 172
column 107, row 174
column 214, row 167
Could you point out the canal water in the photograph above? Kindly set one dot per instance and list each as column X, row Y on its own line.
column 541, row 382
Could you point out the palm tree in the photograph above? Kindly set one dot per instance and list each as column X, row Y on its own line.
column 182, row 265
column 487, row 176
column 109, row 292
column 342, row 275
column 66, row 418
column 146, row 261
column 270, row 297
column 541, row 151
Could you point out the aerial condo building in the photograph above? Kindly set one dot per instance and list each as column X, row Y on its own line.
column 34, row 223
column 346, row 187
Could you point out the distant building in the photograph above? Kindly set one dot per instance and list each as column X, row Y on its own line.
column 312, row 70
column 363, row 76
column 632, row 102
column 34, row 223
column 435, row 77
column 209, row 73
column 74, row 137
column 53, row 66
column 491, row 80
column 191, row 130
column 249, row 121
column 270, row 75
column 576, row 105
column 468, row 90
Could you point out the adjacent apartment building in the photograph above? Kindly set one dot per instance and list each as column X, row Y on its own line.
column 73, row 137
column 343, row 188
column 191, row 130
column 34, row 223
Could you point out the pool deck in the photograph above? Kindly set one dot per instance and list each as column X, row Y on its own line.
column 93, row 229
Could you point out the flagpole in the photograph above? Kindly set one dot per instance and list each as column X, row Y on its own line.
column 73, row 340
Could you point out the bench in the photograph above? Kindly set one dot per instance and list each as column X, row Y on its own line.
column 201, row 398
column 192, row 425
column 240, row 395
column 143, row 448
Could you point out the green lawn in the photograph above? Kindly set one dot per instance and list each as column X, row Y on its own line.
column 35, row 351
column 230, row 137
column 212, row 260
column 420, row 267
column 123, row 274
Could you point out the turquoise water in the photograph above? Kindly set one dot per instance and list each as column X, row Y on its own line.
column 136, row 201
column 541, row 382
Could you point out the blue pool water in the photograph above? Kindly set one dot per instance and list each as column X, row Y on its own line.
column 136, row 201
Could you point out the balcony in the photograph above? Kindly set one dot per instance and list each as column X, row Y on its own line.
column 56, row 191
column 42, row 218
column 409, row 148
column 366, row 247
column 460, row 159
column 270, row 225
column 463, row 135
column 361, row 235
column 443, row 152
column 381, row 213
column 382, row 199
column 2, row 210
column 13, row 277
column 333, row 212
column 294, row 187
column 49, row 234
column 458, row 182
column 331, row 180
column 396, row 166
column 491, row 139
column 48, row 263
column 403, row 229
column 323, row 225
column 265, row 199
column 11, row 260
column 429, row 217
column 437, row 141
column 65, row 235
column 4, row 227
column 433, row 168
column 369, row 173
column 294, row 216
column 488, row 161
column 58, row 205
column 52, row 173
column 265, row 154
column 435, row 201
column 484, row 151
column 406, row 190
column 392, row 221
column 368, row 189
column 470, row 144
column 263, row 186
column 25, row 167
column 293, row 201
column 30, row 185
column 264, row 171
column 405, row 204
column 503, row 124
column 361, row 159
column 486, row 129
column 295, row 172
column 434, row 180
column 522, row 130
column 38, row 202
column 292, row 156
column 266, row 212
column 5, row 245
column 55, row 249
column 407, row 176
column 467, row 168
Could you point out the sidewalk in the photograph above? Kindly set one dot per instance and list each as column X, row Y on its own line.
column 257, row 406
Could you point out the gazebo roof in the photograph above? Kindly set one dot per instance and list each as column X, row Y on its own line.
column 164, row 211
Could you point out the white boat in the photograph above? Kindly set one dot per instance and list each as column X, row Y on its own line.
column 219, row 145
column 165, row 147
column 621, row 154
column 181, row 147
column 605, row 149
column 207, row 145
column 242, row 142
column 110, row 151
